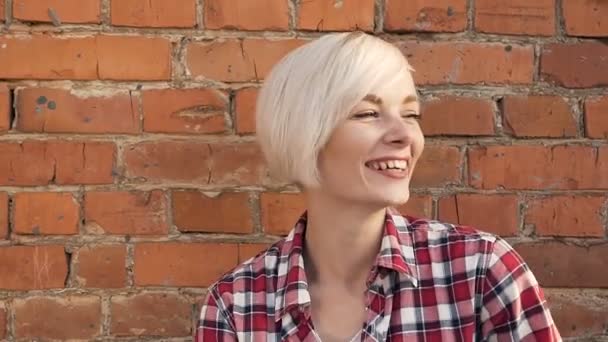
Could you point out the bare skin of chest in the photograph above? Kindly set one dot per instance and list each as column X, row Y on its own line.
column 337, row 313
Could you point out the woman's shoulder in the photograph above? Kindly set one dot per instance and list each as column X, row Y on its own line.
column 436, row 229
column 261, row 267
column 424, row 234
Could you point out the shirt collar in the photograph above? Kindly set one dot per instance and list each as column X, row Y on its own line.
column 396, row 253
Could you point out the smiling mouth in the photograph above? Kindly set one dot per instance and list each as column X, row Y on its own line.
column 391, row 168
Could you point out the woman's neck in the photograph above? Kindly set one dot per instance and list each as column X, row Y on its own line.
column 342, row 239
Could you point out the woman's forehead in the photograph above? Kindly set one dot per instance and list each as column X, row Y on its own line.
column 400, row 90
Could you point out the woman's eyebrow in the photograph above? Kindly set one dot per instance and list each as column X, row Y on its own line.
column 410, row 98
column 377, row 100
column 373, row 99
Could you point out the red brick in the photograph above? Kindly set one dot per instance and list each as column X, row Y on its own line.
column 46, row 213
column 3, row 215
column 245, row 102
column 515, row 17
column 32, row 267
column 60, row 318
column 102, row 266
column 556, row 264
column 586, row 62
column 184, row 111
column 145, row 314
column 126, row 212
column 420, row 206
column 249, row 250
column 429, row 16
column 194, row 211
column 458, row 63
column 47, row 110
column 596, row 117
column 5, row 108
column 57, row 162
column 567, row 215
column 87, row 58
column 200, row 163
column 153, row 13
column 67, row 11
column 83, row 162
column 134, row 58
column 240, row 164
column 280, row 211
column 169, row 160
column 438, row 167
column 498, row 214
column 16, row 160
column 246, row 15
column 73, row 58
column 331, row 15
column 538, row 116
column 454, row 115
column 182, row 264
column 539, row 167
column 3, row 322
column 234, row 60
column 578, row 313
column 586, row 18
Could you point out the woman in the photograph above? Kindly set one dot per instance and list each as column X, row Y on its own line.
column 339, row 118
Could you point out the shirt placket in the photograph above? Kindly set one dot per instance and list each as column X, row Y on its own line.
column 378, row 309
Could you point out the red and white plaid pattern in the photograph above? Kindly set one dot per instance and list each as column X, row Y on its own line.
column 431, row 281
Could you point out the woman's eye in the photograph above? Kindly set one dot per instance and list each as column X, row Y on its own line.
column 370, row 114
column 412, row 115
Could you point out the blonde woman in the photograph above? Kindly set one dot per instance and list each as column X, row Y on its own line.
column 339, row 117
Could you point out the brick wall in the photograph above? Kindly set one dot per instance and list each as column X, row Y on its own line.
column 130, row 178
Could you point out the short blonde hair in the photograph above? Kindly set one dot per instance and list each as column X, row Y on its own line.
column 311, row 90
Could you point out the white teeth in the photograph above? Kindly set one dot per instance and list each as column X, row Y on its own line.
column 383, row 165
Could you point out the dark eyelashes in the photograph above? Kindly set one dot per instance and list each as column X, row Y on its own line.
column 366, row 114
column 416, row 116
column 375, row 114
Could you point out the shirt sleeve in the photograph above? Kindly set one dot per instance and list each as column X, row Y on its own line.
column 514, row 306
column 214, row 323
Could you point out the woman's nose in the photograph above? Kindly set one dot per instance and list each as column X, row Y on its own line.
column 399, row 132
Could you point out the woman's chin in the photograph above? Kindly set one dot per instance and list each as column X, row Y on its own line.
column 391, row 198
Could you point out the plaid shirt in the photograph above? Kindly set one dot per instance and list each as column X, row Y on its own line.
column 431, row 282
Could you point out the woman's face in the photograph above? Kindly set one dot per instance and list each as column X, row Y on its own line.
column 371, row 155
